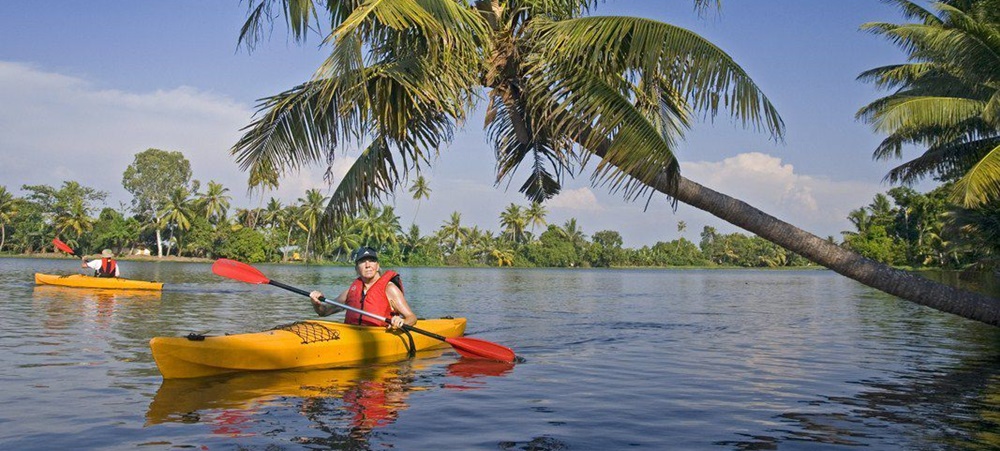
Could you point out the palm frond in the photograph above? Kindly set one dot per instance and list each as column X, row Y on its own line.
column 604, row 121
column 981, row 182
column 292, row 132
column 297, row 13
column 373, row 175
column 946, row 162
column 924, row 111
column 708, row 77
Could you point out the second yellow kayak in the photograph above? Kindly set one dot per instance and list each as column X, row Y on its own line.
column 82, row 281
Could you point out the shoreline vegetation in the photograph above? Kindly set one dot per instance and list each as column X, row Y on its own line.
column 176, row 259
column 902, row 228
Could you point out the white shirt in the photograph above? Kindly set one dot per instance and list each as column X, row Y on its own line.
column 96, row 266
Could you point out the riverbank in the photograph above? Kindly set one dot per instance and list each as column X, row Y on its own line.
column 141, row 258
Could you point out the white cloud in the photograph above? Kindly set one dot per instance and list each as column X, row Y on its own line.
column 817, row 204
column 56, row 128
column 582, row 199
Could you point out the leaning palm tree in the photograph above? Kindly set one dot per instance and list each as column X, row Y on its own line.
column 562, row 90
column 946, row 99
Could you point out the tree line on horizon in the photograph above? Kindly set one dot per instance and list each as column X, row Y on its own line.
column 902, row 228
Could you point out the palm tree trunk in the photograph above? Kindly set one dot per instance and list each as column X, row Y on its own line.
column 159, row 244
column 897, row 282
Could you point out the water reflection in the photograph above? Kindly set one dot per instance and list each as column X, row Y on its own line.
column 955, row 409
column 96, row 303
column 346, row 404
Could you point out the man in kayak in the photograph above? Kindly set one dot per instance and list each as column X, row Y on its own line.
column 381, row 294
column 107, row 266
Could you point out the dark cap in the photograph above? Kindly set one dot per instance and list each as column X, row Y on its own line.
column 363, row 253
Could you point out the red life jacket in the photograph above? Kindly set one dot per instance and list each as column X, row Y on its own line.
column 108, row 267
column 373, row 301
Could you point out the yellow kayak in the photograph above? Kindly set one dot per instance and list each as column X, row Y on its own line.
column 304, row 344
column 82, row 281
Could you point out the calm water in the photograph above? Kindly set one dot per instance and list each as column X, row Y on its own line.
column 613, row 359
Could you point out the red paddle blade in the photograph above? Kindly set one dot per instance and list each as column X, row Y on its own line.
column 238, row 270
column 475, row 348
column 62, row 246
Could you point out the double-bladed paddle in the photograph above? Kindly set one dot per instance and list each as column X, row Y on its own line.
column 64, row 247
column 466, row 346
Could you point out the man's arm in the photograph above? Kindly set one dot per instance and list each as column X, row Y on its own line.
column 324, row 309
column 399, row 305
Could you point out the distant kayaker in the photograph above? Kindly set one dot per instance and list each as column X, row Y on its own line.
column 107, row 266
column 381, row 294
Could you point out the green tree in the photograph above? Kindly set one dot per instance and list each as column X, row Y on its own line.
column 176, row 214
column 535, row 215
column 678, row 253
column 947, row 99
column 514, row 220
column 420, row 190
column 275, row 214
column 606, row 250
column 151, row 178
column 113, row 231
column 562, row 88
column 66, row 209
column 554, row 249
column 214, row 203
column 8, row 208
column 245, row 244
column 310, row 212
column 452, row 232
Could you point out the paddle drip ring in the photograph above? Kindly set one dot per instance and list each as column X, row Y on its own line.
column 310, row 332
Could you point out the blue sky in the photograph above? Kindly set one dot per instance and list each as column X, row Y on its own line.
column 87, row 85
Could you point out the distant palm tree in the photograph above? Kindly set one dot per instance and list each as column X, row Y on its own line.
column 345, row 237
column 274, row 214
column 8, row 209
column 947, row 99
column 379, row 226
column 312, row 206
column 177, row 211
column 75, row 219
column 289, row 219
column 514, row 220
column 452, row 231
column 214, row 204
column 420, row 190
column 263, row 178
column 861, row 221
column 535, row 215
column 572, row 232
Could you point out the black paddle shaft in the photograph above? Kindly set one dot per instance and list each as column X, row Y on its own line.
column 358, row 311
